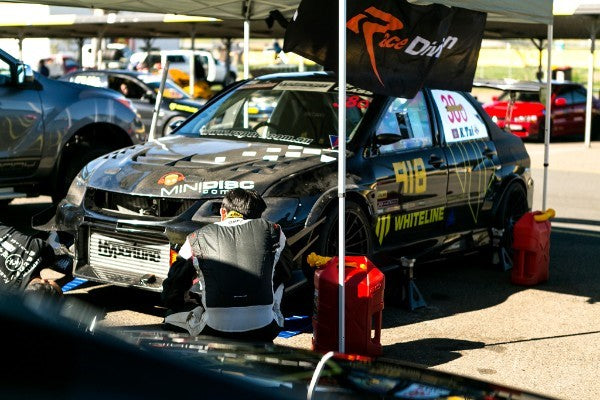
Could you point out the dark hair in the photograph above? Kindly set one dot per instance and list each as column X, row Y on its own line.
column 246, row 202
column 43, row 287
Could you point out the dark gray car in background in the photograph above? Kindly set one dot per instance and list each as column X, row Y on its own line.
column 50, row 129
column 141, row 88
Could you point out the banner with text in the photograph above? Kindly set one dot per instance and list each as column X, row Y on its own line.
column 393, row 47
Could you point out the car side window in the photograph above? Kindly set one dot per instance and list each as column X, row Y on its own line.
column 90, row 79
column 567, row 94
column 408, row 118
column 460, row 120
column 579, row 96
column 5, row 77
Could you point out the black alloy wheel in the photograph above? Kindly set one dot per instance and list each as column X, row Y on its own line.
column 359, row 235
column 514, row 206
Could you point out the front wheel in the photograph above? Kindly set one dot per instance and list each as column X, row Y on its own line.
column 358, row 237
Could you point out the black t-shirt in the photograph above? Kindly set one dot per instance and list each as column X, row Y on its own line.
column 21, row 257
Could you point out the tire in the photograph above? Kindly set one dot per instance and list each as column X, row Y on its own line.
column 4, row 203
column 595, row 132
column 359, row 235
column 513, row 206
column 167, row 127
column 72, row 164
column 539, row 138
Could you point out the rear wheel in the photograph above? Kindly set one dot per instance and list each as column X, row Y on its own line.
column 173, row 123
column 359, row 236
column 513, row 206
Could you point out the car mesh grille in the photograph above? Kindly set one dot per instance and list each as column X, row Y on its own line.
column 113, row 254
column 124, row 204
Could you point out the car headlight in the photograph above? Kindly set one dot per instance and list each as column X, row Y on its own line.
column 77, row 190
column 281, row 209
column 526, row 118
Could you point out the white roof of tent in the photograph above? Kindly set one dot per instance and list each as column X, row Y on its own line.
column 535, row 11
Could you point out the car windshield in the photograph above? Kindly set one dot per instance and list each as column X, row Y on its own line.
column 293, row 112
column 171, row 91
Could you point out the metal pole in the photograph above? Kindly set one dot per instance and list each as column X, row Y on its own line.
column 342, row 172
column 80, row 52
column 246, row 48
column 20, row 39
column 159, row 96
column 228, row 58
column 548, row 114
column 590, row 87
column 192, row 81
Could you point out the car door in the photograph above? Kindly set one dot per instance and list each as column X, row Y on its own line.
column 410, row 175
column 471, row 158
column 21, row 124
column 137, row 92
column 569, row 111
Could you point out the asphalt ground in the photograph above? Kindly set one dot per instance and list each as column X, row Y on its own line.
column 543, row 338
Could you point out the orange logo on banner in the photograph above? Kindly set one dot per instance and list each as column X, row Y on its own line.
column 378, row 22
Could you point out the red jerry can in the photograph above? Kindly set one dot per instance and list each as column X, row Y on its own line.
column 531, row 246
column 364, row 286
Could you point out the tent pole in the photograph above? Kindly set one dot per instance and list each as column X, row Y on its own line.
column 246, row 48
column 342, row 171
column 192, row 82
column 590, row 87
column 548, row 112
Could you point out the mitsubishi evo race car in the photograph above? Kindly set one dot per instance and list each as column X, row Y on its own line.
column 426, row 177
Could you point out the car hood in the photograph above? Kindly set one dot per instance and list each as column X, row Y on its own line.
column 185, row 167
column 498, row 108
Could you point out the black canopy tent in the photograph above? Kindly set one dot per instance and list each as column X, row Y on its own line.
column 531, row 11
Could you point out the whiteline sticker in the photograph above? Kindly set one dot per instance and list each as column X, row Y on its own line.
column 249, row 154
column 293, row 154
column 294, row 147
column 274, row 150
column 220, row 160
column 270, row 158
column 327, row 159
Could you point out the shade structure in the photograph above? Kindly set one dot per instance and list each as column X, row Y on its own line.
column 519, row 11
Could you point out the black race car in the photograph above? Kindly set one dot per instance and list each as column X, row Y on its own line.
column 141, row 89
column 426, row 177
column 90, row 361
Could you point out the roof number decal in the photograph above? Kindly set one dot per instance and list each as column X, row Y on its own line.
column 460, row 119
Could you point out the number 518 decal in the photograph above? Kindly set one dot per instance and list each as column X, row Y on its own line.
column 412, row 175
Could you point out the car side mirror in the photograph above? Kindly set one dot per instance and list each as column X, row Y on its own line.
column 24, row 74
column 560, row 101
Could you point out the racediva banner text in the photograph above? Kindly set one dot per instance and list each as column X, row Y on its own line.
column 392, row 47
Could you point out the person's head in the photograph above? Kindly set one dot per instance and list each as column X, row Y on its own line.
column 45, row 287
column 248, row 203
column 124, row 89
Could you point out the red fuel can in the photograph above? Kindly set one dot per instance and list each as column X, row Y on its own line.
column 364, row 288
column 531, row 245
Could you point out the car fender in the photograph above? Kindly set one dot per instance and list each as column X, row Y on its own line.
column 326, row 201
column 504, row 185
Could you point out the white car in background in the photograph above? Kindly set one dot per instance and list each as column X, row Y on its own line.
column 216, row 70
